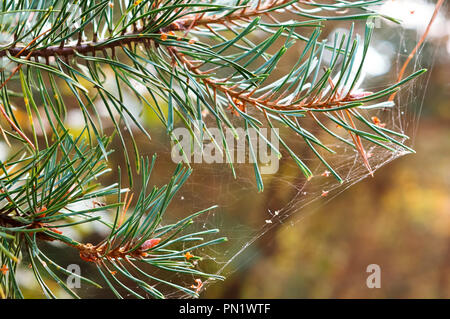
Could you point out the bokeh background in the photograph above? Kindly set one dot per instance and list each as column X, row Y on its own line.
column 399, row 219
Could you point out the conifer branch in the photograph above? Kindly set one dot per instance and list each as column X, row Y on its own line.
column 186, row 61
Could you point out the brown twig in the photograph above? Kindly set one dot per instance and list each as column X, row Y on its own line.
column 418, row 45
column 137, row 35
column 246, row 97
column 97, row 253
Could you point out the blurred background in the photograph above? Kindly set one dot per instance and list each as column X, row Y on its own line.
column 399, row 219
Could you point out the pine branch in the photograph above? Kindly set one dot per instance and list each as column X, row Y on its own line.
column 245, row 97
column 138, row 35
column 187, row 61
column 62, row 176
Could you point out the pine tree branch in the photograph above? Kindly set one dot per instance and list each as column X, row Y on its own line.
column 138, row 35
column 245, row 97
column 241, row 84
